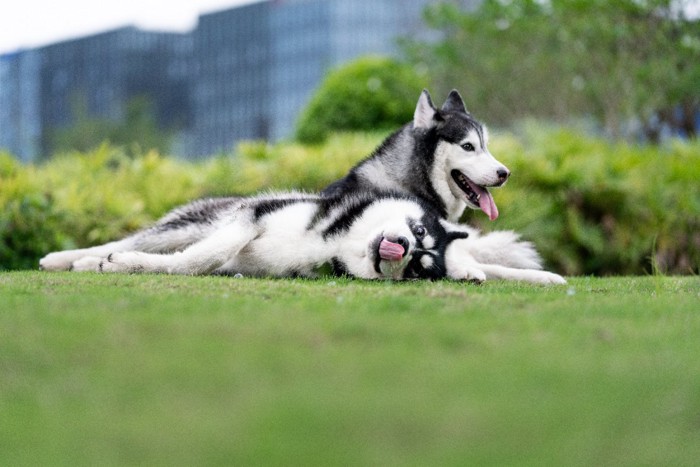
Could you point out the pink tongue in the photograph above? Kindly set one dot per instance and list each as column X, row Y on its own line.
column 390, row 251
column 486, row 202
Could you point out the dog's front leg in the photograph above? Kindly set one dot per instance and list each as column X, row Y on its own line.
column 462, row 266
column 202, row 257
column 533, row 276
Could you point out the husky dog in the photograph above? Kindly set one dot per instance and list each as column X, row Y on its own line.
column 292, row 234
column 441, row 157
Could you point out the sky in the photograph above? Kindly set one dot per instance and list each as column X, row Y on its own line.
column 33, row 23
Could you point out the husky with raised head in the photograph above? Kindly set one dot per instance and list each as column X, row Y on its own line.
column 285, row 235
column 441, row 156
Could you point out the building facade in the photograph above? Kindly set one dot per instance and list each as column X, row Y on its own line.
column 230, row 85
column 20, row 122
column 96, row 77
column 259, row 64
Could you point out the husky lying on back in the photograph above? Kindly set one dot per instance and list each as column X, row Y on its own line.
column 371, row 236
column 283, row 235
column 441, row 157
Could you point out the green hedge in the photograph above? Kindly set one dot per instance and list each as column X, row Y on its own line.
column 591, row 206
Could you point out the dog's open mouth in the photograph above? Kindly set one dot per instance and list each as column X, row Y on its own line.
column 477, row 196
column 385, row 249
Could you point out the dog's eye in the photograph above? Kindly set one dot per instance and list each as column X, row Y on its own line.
column 469, row 147
column 419, row 231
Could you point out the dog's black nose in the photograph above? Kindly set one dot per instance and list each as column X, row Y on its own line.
column 403, row 241
column 503, row 174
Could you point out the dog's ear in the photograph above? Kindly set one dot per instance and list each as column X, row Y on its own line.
column 426, row 115
column 455, row 231
column 454, row 103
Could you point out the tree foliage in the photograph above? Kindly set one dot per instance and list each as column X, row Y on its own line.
column 556, row 59
column 368, row 94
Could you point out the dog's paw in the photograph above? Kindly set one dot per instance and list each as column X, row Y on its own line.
column 122, row 262
column 555, row 279
column 547, row 278
column 57, row 261
column 87, row 264
column 468, row 274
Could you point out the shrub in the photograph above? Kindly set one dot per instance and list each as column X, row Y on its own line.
column 288, row 166
column 369, row 94
column 29, row 222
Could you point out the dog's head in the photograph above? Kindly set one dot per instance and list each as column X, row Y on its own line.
column 463, row 168
column 403, row 240
column 429, row 258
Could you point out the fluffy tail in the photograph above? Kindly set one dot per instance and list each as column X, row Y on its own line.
column 504, row 248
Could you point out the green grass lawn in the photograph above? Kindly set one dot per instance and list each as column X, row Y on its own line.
column 106, row 369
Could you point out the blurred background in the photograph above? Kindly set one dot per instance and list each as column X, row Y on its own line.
column 595, row 105
column 239, row 73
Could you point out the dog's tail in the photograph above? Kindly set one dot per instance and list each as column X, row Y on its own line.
column 506, row 249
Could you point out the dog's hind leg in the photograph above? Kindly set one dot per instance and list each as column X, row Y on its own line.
column 152, row 240
column 202, row 257
column 175, row 231
column 63, row 260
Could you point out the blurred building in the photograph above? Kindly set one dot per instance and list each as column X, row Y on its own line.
column 259, row 64
column 230, row 87
column 20, row 122
column 311, row 36
column 243, row 73
column 96, row 77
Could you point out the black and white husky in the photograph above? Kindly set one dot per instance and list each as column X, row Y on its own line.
column 292, row 234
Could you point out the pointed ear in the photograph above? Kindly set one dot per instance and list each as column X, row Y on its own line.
column 424, row 116
column 454, row 103
column 454, row 231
